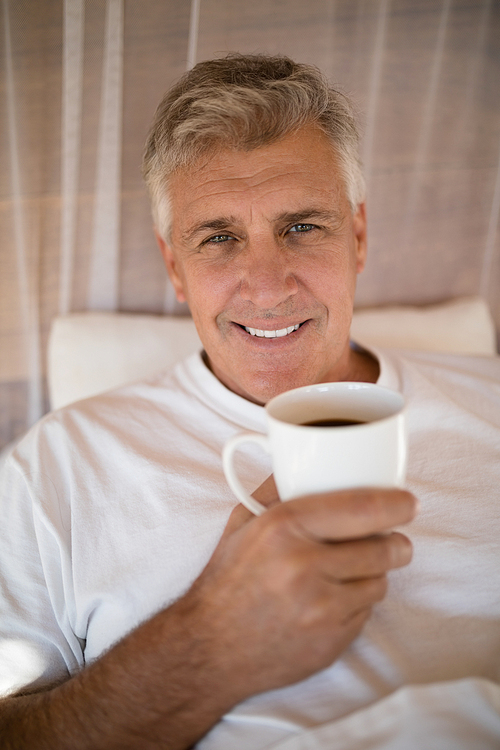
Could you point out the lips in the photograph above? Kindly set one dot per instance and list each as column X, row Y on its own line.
column 260, row 333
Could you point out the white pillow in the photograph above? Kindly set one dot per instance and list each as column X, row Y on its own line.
column 462, row 326
column 93, row 352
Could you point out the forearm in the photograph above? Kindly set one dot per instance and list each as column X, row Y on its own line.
column 158, row 687
column 281, row 598
column 161, row 686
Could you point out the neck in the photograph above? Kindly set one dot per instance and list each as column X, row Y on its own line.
column 363, row 366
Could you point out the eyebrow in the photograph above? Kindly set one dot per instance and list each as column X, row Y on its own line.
column 217, row 225
column 310, row 214
column 223, row 223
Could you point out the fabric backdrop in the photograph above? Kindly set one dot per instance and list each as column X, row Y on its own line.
column 80, row 81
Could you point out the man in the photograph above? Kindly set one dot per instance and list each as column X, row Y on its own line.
column 139, row 610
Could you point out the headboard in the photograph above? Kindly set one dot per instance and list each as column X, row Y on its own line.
column 81, row 83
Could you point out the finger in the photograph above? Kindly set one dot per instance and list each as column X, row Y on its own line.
column 350, row 514
column 361, row 596
column 356, row 620
column 364, row 558
column 343, row 602
column 238, row 518
column 266, row 493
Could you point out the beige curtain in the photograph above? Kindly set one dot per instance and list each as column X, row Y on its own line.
column 81, row 79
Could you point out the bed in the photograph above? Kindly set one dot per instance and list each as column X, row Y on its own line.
column 92, row 352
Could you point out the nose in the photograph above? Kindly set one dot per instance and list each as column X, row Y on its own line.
column 266, row 276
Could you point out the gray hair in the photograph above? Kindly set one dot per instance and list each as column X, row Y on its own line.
column 244, row 102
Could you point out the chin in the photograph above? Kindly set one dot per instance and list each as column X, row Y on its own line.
column 264, row 389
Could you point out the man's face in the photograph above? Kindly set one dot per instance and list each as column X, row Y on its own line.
column 265, row 249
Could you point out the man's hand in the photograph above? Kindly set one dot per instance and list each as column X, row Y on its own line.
column 289, row 590
column 281, row 597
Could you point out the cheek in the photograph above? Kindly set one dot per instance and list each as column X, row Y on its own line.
column 209, row 290
column 333, row 278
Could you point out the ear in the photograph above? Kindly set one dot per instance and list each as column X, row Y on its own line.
column 359, row 229
column 172, row 267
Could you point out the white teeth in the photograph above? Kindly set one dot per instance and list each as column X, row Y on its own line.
column 271, row 334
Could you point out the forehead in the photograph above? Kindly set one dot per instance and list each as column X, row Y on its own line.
column 300, row 169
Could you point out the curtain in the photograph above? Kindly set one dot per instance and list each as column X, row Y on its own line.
column 80, row 80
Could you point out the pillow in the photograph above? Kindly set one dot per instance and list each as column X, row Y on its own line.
column 93, row 352
column 462, row 326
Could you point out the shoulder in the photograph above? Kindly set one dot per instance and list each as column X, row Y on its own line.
column 452, row 367
column 462, row 387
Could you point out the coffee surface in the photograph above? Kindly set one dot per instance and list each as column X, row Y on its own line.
column 332, row 423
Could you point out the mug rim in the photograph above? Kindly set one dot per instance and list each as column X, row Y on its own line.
column 333, row 386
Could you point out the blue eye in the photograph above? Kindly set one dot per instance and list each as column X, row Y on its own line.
column 301, row 228
column 219, row 238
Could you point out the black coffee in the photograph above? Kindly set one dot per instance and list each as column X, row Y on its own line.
column 332, row 423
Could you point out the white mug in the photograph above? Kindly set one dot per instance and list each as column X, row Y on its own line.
column 309, row 459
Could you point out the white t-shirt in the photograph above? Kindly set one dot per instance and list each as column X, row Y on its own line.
column 111, row 507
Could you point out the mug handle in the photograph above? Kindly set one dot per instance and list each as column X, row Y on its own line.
column 227, row 462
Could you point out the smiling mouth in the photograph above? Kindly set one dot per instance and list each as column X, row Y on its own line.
column 271, row 334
